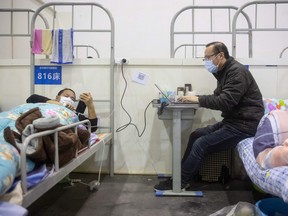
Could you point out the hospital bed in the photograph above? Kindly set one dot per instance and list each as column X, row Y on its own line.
column 16, row 165
column 35, row 177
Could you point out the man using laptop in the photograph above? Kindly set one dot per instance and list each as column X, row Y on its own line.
column 238, row 97
column 67, row 97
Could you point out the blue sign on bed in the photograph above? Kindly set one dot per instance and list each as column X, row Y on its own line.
column 48, row 75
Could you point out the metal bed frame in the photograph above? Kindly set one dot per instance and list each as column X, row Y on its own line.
column 193, row 32
column 250, row 29
column 58, row 173
column 281, row 54
column 12, row 34
column 30, row 12
column 87, row 47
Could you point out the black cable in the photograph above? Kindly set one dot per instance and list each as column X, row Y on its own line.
column 130, row 118
column 161, row 109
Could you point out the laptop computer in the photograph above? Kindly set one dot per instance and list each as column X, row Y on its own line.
column 172, row 102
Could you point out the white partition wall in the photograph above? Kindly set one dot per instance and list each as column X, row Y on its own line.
column 145, row 42
column 150, row 153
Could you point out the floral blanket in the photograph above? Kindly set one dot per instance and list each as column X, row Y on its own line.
column 9, row 156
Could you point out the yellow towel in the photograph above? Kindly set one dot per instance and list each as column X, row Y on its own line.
column 46, row 42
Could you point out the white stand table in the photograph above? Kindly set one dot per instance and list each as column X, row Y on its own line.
column 175, row 112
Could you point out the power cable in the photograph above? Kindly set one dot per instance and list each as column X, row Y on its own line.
column 129, row 116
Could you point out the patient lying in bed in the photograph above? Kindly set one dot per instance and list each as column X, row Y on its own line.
column 9, row 156
column 67, row 97
column 270, row 144
column 41, row 150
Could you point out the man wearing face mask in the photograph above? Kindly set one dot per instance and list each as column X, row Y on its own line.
column 238, row 97
column 67, row 97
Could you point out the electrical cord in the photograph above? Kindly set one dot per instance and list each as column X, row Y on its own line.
column 130, row 118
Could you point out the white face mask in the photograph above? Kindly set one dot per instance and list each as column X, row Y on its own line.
column 67, row 100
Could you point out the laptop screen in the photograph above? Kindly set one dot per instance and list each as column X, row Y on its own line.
column 162, row 92
column 173, row 102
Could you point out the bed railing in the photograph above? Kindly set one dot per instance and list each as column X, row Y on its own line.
column 88, row 52
column 41, row 134
column 90, row 29
column 26, row 31
column 195, row 43
column 282, row 52
column 237, row 30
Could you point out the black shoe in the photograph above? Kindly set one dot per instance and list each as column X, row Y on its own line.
column 168, row 185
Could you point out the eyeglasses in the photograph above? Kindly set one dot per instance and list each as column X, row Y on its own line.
column 209, row 56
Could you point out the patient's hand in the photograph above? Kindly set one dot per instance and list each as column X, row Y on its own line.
column 69, row 106
column 86, row 98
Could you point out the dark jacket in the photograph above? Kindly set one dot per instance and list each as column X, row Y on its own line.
column 42, row 99
column 238, row 97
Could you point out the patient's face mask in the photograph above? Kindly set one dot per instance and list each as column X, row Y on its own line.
column 67, row 100
column 212, row 68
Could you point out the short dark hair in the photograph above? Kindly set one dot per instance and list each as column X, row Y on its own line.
column 61, row 91
column 219, row 47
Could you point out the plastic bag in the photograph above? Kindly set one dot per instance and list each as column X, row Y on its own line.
column 240, row 209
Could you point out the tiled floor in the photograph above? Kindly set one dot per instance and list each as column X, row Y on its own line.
column 133, row 195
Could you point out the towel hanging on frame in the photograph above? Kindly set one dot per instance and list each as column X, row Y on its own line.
column 42, row 42
column 62, row 46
